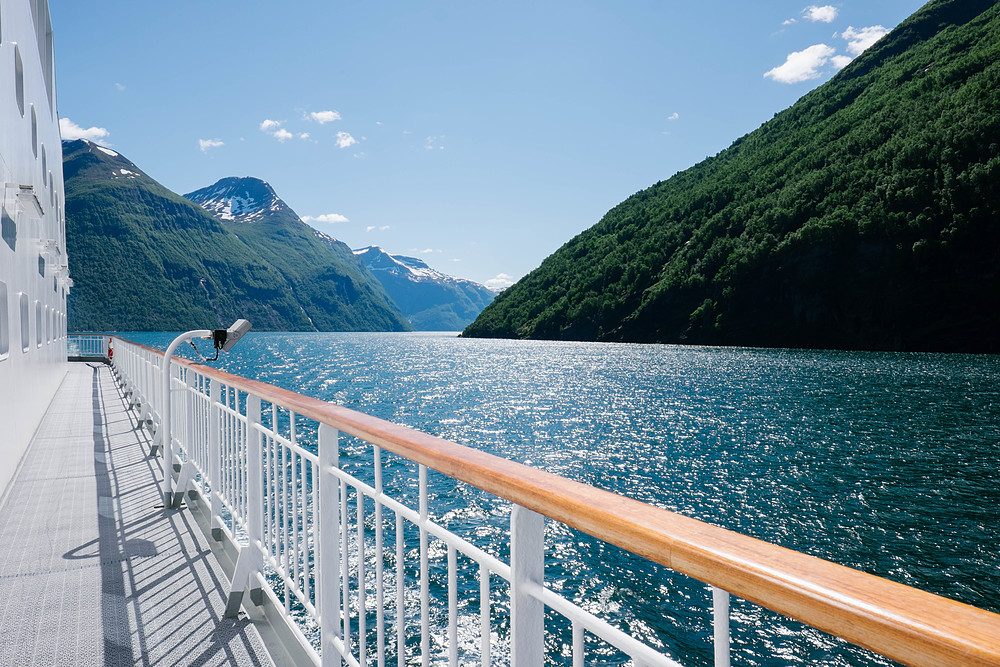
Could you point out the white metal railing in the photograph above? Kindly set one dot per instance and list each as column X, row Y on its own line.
column 364, row 577
column 87, row 345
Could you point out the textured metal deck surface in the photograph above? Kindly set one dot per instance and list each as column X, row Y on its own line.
column 93, row 571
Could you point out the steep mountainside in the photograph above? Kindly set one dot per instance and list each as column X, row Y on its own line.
column 429, row 299
column 335, row 290
column 144, row 258
column 866, row 216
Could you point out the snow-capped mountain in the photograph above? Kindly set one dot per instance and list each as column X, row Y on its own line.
column 431, row 300
column 240, row 199
column 97, row 159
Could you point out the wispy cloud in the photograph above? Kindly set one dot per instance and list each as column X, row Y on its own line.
column 344, row 139
column 324, row 117
column 120, row 87
column 502, row 281
column 802, row 65
column 205, row 144
column 277, row 130
column 788, row 22
column 673, row 116
column 434, row 142
column 859, row 39
column 824, row 14
column 424, row 251
column 371, row 228
column 326, row 217
column 70, row 130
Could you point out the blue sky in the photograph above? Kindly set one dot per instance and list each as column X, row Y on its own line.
column 477, row 136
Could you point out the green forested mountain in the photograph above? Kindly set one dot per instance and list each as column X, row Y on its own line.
column 335, row 289
column 144, row 258
column 865, row 216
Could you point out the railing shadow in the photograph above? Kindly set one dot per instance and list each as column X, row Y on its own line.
column 143, row 603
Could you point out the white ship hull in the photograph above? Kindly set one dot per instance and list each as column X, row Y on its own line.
column 34, row 278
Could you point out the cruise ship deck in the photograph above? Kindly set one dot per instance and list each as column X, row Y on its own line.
column 94, row 570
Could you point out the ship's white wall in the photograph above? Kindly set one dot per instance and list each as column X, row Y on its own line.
column 29, row 378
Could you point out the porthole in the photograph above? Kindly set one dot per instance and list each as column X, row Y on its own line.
column 25, row 323
column 18, row 80
column 4, row 328
column 8, row 228
column 34, row 133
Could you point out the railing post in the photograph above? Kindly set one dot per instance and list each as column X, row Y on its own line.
column 255, row 476
column 720, row 618
column 527, row 564
column 215, row 455
column 250, row 561
column 328, row 525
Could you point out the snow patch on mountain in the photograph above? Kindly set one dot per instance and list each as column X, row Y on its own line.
column 244, row 199
column 431, row 300
column 400, row 265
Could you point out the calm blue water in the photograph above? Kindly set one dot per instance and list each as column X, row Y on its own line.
column 886, row 462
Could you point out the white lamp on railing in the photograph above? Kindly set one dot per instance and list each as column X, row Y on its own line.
column 223, row 340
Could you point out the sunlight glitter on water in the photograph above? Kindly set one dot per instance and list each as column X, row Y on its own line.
column 880, row 461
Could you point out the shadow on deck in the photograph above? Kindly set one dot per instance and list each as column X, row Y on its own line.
column 95, row 571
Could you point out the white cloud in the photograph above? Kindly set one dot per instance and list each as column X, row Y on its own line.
column 425, row 251
column 673, row 116
column 379, row 123
column 858, row 40
column 432, row 143
column 840, row 62
column 303, row 135
column 282, row 135
column 120, row 87
column 344, row 140
column 371, row 228
column 326, row 217
column 802, row 65
column 324, row 117
column 70, row 130
column 205, row 144
column 269, row 125
column 361, row 156
column 824, row 14
column 502, row 281
column 788, row 22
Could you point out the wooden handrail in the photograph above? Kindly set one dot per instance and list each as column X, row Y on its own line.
column 898, row 621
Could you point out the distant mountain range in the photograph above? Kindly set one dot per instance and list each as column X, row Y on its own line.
column 865, row 216
column 144, row 258
column 429, row 299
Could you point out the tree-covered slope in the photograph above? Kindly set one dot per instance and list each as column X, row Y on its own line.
column 144, row 258
column 334, row 288
column 866, row 216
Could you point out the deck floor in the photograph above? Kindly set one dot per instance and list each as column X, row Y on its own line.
column 93, row 570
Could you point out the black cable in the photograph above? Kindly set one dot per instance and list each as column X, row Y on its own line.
column 198, row 352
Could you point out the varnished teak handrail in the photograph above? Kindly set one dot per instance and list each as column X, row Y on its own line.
column 900, row 622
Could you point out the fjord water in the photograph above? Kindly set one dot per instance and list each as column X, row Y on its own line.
column 886, row 462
